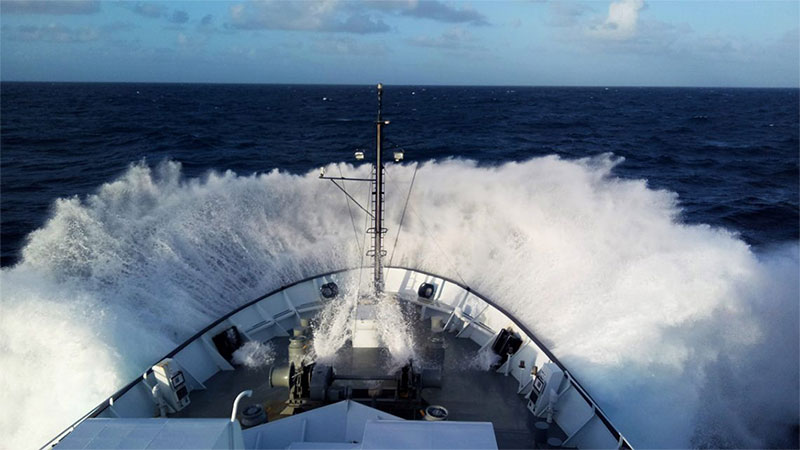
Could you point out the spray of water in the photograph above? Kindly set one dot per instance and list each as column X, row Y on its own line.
column 336, row 323
column 485, row 359
column 394, row 332
column 334, row 327
column 682, row 333
column 254, row 354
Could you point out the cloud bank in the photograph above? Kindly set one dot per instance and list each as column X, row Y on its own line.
column 325, row 16
column 345, row 16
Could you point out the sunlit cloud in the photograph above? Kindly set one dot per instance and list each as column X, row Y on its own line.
column 621, row 23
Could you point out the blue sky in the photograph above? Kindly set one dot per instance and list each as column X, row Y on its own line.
column 606, row 43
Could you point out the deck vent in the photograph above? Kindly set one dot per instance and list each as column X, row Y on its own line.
column 426, row 290
column 329, row 290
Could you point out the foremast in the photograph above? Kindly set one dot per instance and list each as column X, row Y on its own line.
column 378, row 230
column 376, row 211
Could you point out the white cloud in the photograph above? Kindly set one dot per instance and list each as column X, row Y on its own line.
column 622, row 20
column 346, row 16
column 623, row 31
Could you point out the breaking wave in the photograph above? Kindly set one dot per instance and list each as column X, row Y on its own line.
column 682, row 333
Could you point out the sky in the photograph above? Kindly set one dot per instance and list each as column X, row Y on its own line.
column 412, row 42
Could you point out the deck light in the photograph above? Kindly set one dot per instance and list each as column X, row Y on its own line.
column 329, row 290
column 359, row 155
column 426, row 290
column 398, row 155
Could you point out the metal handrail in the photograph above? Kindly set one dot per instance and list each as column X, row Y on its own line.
column 235, row 409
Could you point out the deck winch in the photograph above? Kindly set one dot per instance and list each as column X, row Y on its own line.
column 314, row 385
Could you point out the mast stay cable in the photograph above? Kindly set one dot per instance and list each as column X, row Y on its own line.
column 350, row 210
column 431, row 237
column 403, row 216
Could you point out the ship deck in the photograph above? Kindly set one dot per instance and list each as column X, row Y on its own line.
column 468, row 392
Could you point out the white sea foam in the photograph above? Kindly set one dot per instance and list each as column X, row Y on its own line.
column 681, row 332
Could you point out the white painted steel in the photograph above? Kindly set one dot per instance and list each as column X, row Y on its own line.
column 403, row 434
column 148, row 433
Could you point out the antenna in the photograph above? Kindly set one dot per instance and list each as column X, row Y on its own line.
column 380, row 101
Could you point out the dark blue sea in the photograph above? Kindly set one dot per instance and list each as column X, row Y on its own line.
column 730, row 154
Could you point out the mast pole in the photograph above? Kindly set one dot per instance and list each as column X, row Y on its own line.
column 378, row 199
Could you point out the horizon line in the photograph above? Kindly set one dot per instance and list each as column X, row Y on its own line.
column 404, row 84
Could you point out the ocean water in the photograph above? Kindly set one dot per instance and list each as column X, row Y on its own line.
column 648, row 236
